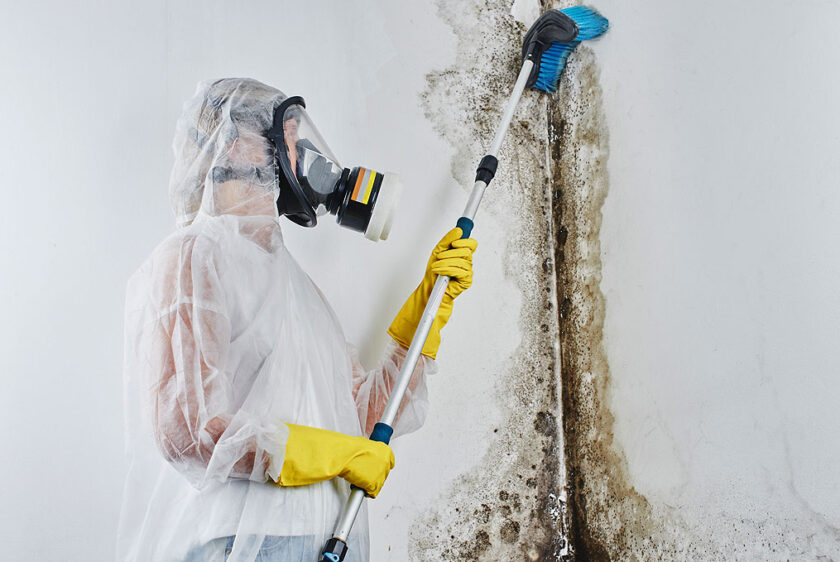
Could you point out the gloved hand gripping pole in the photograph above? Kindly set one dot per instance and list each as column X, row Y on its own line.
column 336, row 547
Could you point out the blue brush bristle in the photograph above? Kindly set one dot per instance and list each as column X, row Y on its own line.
column 590, row 24
column 552, row 63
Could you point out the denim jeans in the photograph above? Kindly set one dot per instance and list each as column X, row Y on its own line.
column 273, row 549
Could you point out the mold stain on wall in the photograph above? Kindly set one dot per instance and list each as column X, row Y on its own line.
column 512, row 505
column 559, row 487
column 558, row 490
column 606, row 512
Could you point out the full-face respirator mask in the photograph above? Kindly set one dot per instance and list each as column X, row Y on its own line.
column 313, row 183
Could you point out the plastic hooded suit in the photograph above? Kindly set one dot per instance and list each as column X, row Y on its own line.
column 227, row 339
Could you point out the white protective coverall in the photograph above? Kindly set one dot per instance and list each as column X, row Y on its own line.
column 226, row 339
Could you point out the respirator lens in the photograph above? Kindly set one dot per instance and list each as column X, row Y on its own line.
column 310, row 159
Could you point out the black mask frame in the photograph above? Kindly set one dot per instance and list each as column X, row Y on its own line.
column 292, row 201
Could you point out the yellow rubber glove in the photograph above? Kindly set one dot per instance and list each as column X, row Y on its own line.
column 314, row 455
column 453, row 257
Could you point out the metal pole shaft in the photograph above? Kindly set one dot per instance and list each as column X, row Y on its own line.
column 518, row 88
column 412, row 356
column 351, row 510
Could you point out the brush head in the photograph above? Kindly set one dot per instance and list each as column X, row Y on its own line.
column 553, row 37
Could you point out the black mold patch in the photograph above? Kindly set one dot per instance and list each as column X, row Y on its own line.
column 509, row 532
column 546, row 423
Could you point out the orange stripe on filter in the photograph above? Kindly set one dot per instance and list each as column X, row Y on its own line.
column 358, row 186
column 369, row 187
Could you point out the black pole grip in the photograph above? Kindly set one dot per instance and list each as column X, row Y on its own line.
column 334, row 551
column 486, row 169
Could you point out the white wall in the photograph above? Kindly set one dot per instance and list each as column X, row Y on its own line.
column 84, row 153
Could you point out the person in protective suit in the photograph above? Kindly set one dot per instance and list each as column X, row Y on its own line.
column 244, row 400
